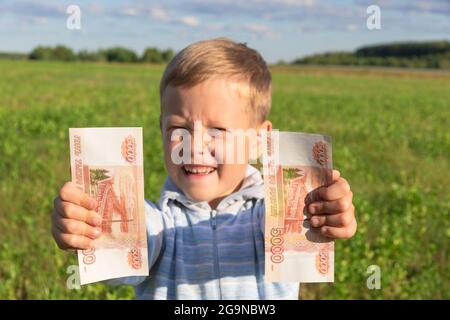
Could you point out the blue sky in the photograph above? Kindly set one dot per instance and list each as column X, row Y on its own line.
column 279, row 29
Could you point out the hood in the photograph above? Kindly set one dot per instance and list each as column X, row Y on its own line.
column 252, row 188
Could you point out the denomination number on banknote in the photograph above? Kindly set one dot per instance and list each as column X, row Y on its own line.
column 134, row 258
column 77, row 145
column 129, row 149
column 277, row 242
column 322, row 262
column 89, row 256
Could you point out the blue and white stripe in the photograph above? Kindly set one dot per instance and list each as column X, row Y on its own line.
column 191, row 257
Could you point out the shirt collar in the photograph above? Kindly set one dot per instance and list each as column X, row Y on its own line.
column 251, row 188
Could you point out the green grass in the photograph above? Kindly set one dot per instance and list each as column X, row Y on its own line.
column 391, row 140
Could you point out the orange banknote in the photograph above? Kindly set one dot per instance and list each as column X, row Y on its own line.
column 107, row 164
column 294, row 166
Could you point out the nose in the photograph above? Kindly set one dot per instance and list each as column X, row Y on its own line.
column 198, row 145
column 202, row 148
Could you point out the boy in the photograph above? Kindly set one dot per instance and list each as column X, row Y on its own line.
column 205, row 235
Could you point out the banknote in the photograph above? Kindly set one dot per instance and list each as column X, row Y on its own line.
column 107, row 164
column 294, row 166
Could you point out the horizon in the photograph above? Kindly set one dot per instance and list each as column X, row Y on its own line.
column 175, row 52
column 278, row 29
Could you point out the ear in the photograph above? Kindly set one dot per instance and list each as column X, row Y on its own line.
column 255, row 146
column 266, row 125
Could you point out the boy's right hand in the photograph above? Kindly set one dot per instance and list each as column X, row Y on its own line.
column 75, row 224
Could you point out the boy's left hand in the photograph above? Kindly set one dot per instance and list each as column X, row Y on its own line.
column 332, row 210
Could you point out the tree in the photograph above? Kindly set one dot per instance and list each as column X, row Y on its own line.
column 167, row 55
column 405, row 49
column 115, row 54
column 63, row 53
column 119, row 54
column 85, row 55
column 41, row 53
column 48, row 53
column 97, row 175
column 405, row 55
column 152, row 55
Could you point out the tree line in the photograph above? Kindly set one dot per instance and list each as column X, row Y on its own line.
column 434, row 54
column 115, row 54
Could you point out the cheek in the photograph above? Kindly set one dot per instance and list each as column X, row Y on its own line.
column 240, row 149
column 168, row 152
column 231, row 174
column 229, row 151
column 171, row 145
column 173, row 150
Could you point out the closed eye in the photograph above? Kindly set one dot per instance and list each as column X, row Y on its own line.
column 220, row 129
column 176, row 127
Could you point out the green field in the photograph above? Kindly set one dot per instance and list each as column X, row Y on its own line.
column 391, row 140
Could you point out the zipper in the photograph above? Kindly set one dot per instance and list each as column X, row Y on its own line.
column 213, row 219
column 216, row 251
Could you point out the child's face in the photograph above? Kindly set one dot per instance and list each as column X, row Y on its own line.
column 212, row 104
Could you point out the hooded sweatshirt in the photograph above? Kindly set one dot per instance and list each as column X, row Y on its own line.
column 196, row 252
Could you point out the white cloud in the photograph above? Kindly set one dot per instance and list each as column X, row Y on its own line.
column 190, row 21
column 259, row 30
column 159, row 13
column 33, row 8
column 130, row 11
column 215, row 27
column 39, row 20
column 351, row 27
column 95, row 8
column 305, row 3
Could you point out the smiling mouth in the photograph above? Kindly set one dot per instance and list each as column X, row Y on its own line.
column 198, row 170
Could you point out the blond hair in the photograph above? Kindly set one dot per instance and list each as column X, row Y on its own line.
column 222, row 58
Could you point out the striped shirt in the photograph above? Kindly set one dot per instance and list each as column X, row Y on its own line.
column 196, row 252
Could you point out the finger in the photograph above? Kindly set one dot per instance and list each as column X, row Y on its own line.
column 76, row 227
column 71, row 241
column 336, row 190
column 69, row 210
column 331, row 207
column 70, row 193
column 335, row 175
column 336, row 232
column 336, row 220
column 315, row 195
